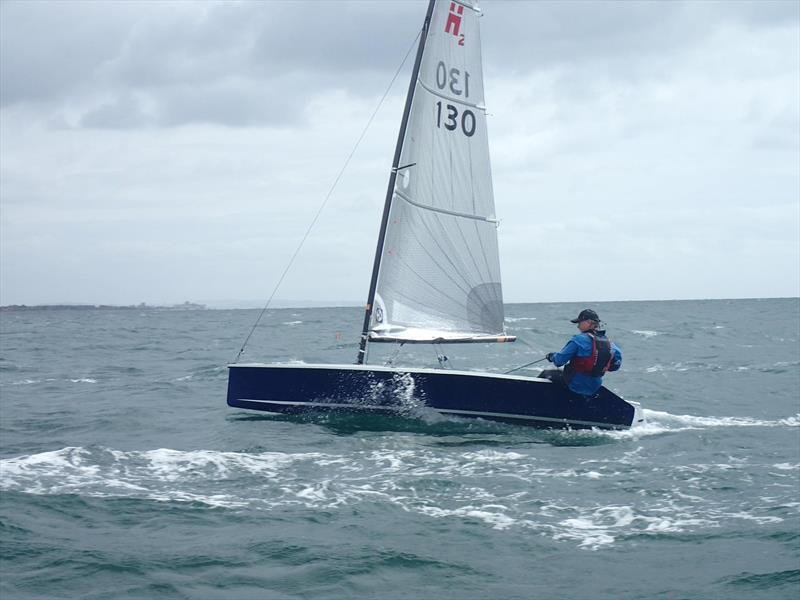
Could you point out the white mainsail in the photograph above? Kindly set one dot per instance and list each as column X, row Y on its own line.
column 439, row 276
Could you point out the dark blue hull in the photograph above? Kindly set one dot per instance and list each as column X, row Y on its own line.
column 523, row 400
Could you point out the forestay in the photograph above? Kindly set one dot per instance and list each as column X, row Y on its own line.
column 439, row 277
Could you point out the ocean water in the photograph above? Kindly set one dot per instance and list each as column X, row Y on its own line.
column 123, row 474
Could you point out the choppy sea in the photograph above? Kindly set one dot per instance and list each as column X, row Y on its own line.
column 123, row 474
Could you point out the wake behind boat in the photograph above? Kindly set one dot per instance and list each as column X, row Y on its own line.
column 436, row 273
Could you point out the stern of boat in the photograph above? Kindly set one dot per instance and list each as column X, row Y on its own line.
column 638, row 414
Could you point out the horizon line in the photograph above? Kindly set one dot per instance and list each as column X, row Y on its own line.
column 289, row 304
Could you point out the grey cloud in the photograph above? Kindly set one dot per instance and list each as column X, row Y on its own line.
column 323, row 42
column 53, row 48
column 539, row 35
column 49, row 49
column 337, row 36
column 124, row 112
column 236, row 103
column 232, row 103
column 165, row 64
column 760, row 13
column 781, row 134
column 677, row 121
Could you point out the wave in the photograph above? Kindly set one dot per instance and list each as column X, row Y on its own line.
column 26, row 381
column 414, row 417
column 659, row 423
column 454, row 485
column 647, row 333
column 669, row 420
column 680, row 367
column 764, row 581
column 51, row 380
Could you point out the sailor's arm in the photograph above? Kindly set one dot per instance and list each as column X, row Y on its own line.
column 616, row 359
column 565, row 354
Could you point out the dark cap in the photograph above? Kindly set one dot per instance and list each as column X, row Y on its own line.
column 587, row 314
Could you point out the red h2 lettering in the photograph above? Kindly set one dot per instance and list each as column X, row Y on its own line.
column 454, row 19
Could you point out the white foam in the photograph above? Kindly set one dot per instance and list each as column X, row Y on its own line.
column 317, row 492
column 417, row 480
column 26, row 381
column 787, row 466
column 600, row 527
column 680, row 367
column 658, row 368
column 493, row 456
column 760, row 519
column 692, row 421
column 84, row 380
column 399, row 390
column 596, row 530
column 647, row 333
column 154, row 474
column 292, row 323
column 495, row 519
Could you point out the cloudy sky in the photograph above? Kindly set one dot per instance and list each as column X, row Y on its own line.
column 160, row 152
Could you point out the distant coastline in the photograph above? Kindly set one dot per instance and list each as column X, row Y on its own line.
column 141, row 306
column 300, row 304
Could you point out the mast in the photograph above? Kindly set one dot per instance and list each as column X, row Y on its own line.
column 362, row 347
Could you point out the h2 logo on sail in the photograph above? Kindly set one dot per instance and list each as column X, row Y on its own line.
column 453, row 24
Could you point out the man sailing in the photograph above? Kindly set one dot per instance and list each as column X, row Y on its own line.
column 587, row 356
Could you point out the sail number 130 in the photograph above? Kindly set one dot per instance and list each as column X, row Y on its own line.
column 451, row 119
column 449, row 114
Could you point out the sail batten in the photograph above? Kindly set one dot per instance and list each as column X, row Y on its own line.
column 444, row 211
column 439, row 270
column 430, row 90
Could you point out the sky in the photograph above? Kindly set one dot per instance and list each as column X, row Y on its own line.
column 161, row 152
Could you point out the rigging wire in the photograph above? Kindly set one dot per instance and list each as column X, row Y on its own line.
column 390, row 361
column 519, row 339
column 327, row 197
column 440, row 356
column 525, row 365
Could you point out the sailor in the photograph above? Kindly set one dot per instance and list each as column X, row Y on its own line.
column 587, row 356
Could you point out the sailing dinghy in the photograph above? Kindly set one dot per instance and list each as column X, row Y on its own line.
column 436, row 274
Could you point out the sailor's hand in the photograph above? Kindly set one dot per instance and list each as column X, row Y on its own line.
column 550, row 356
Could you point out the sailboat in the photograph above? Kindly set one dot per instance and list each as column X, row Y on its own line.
column 436, row 273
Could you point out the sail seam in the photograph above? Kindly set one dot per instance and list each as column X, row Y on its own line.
column 477, row 232
column 438, row 239
column 432, row 309
column 451, row 255
column 475, row 259
column 452, row 213
column 418, row 301
column 453, row 275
